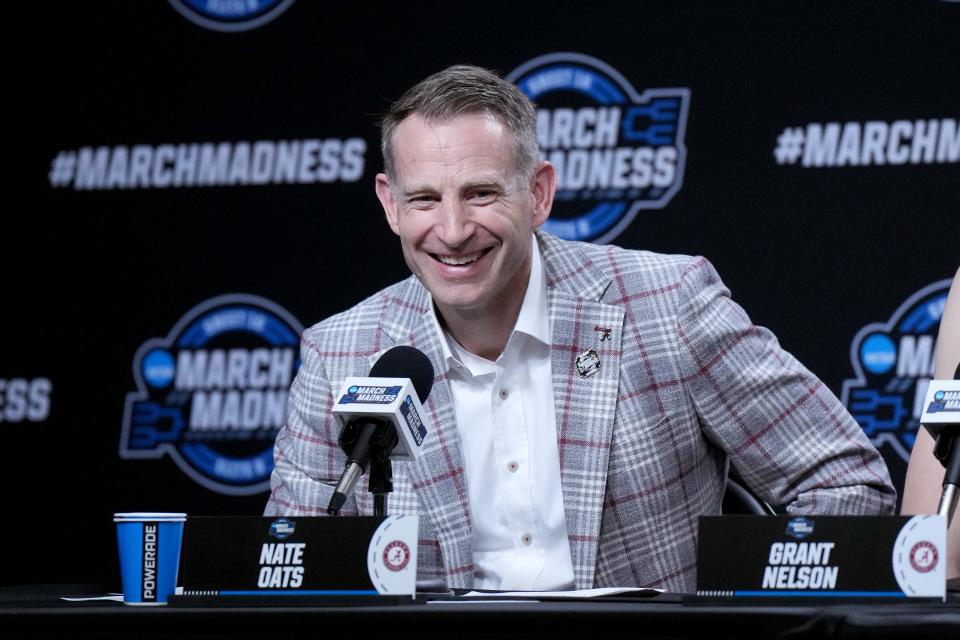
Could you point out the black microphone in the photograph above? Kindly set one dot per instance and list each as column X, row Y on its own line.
column 374, row 437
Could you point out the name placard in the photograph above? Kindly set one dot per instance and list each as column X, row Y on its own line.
column 822, row 556
column 299, row 556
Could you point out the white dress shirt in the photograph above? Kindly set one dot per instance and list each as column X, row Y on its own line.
column 506, row 423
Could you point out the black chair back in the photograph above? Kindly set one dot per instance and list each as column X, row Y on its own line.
column 739, row 499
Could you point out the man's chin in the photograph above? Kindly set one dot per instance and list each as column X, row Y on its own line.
column 458, row 302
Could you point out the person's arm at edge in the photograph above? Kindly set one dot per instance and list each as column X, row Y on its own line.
column 923, row 486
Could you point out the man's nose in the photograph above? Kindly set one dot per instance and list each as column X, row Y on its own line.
column 455, row 225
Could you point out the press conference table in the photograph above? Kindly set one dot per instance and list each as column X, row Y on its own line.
column 38, row 612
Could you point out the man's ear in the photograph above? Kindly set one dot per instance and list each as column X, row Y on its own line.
column 385, row 194
column 544, row 187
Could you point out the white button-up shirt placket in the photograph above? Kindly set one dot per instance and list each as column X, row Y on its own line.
column 506, row 424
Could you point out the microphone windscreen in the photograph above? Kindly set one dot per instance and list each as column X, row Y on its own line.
column 406, row 362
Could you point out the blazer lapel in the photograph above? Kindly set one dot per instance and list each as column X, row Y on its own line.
column 438, row 476
column 585, row 393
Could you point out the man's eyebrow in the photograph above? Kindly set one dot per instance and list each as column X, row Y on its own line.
column 417, row 189
column 482, row 182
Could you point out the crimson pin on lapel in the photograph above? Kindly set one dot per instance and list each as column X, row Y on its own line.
column 603, row 331
column 588, row 362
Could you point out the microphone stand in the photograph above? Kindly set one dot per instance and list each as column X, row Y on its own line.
column 946, row 451
column 381, row 484
column 381, row 469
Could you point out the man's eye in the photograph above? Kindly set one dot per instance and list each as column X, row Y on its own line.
column 483, row 195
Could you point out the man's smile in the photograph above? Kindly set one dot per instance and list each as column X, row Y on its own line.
column 459, row 261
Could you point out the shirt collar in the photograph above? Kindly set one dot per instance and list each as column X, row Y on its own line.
column 532, row 320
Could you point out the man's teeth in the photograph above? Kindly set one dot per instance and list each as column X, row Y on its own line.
column 451, row 260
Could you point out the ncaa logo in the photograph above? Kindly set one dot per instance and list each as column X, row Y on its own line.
column 800, row 527
column 894, row 362
column 212, row 394
column 282, row 529
column 232, row 15
column 615, row 151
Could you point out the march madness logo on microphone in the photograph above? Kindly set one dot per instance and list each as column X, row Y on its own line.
column 616, row 152
column 894, row 363
column 212, row 395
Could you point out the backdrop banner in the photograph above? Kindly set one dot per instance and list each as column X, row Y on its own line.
column 196, row 179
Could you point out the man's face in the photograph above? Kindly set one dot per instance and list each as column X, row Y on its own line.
column 463, row 215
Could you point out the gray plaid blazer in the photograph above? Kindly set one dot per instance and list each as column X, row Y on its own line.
column 686, row 385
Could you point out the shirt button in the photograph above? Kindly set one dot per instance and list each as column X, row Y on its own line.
column 503, row 394
column 526, row 539
column 513, row 466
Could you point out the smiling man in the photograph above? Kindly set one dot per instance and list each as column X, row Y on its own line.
column 589, row 400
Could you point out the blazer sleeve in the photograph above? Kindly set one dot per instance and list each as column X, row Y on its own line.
column 307, row 458
column 783, row 430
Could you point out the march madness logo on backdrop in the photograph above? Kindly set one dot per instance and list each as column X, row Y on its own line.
column 212, row 395
column 616, row 152
column 893, row 362
column 230, row 15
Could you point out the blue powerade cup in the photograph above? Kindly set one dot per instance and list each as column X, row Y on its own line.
column 149, row 546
